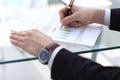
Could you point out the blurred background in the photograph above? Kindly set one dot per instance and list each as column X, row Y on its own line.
column 17, row 8
column 27, row 14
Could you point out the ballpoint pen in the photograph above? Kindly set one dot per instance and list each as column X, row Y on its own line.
column 69, row 7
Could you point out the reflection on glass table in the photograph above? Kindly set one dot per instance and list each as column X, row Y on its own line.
column 9, row 53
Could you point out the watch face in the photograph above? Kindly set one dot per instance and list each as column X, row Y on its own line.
column 44, row 56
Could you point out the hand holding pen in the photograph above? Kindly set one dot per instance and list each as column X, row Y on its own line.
column 81, row 16
column 69, row 7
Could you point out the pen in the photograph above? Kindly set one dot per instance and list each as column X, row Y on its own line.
column 69, row 7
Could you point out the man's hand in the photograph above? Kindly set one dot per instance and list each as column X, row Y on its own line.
column 31, row 41
column 81, row 16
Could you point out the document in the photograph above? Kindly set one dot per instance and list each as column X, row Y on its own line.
column 83, row 35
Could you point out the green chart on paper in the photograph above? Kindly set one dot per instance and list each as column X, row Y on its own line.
column 66, row 34
column 63, row 34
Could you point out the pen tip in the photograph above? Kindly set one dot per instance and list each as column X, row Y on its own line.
column 61, row 27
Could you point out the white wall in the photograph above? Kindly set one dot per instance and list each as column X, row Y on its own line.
column 39, row 3
column 17, row 8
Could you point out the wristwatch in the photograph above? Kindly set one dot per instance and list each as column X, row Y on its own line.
column 45, row 53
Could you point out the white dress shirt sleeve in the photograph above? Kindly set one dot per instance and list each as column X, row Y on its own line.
column 107, row 17
column 53, row 55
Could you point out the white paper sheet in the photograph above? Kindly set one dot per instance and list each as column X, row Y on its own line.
column 84, row 35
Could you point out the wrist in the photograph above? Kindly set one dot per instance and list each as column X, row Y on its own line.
column 99, row 16
column 45, row 53
column 51, row 47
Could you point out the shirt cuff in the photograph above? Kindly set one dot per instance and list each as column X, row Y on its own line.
column 53, row 55
column 107, row 17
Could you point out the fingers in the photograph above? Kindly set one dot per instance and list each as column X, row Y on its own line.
column 78, row 24
column 21, row 33
column 19, row 36
column 17, row 43
column 75, row 24
column 15, row 37
column 62, row 12
column 20, row 39
column 69, row 20
column 77, row 17
column 66, row 21
column 24, row 35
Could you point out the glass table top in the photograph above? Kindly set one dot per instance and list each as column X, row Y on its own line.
column 9, row 53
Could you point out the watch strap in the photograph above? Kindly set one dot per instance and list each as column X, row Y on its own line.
column 51, row 47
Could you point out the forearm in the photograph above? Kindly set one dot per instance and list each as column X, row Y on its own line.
column 108, row 17
column 115, row 19
column 69, row 66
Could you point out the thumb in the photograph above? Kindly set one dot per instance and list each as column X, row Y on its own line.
column 69, row 19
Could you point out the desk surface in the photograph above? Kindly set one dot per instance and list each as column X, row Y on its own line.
column 9, row 53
